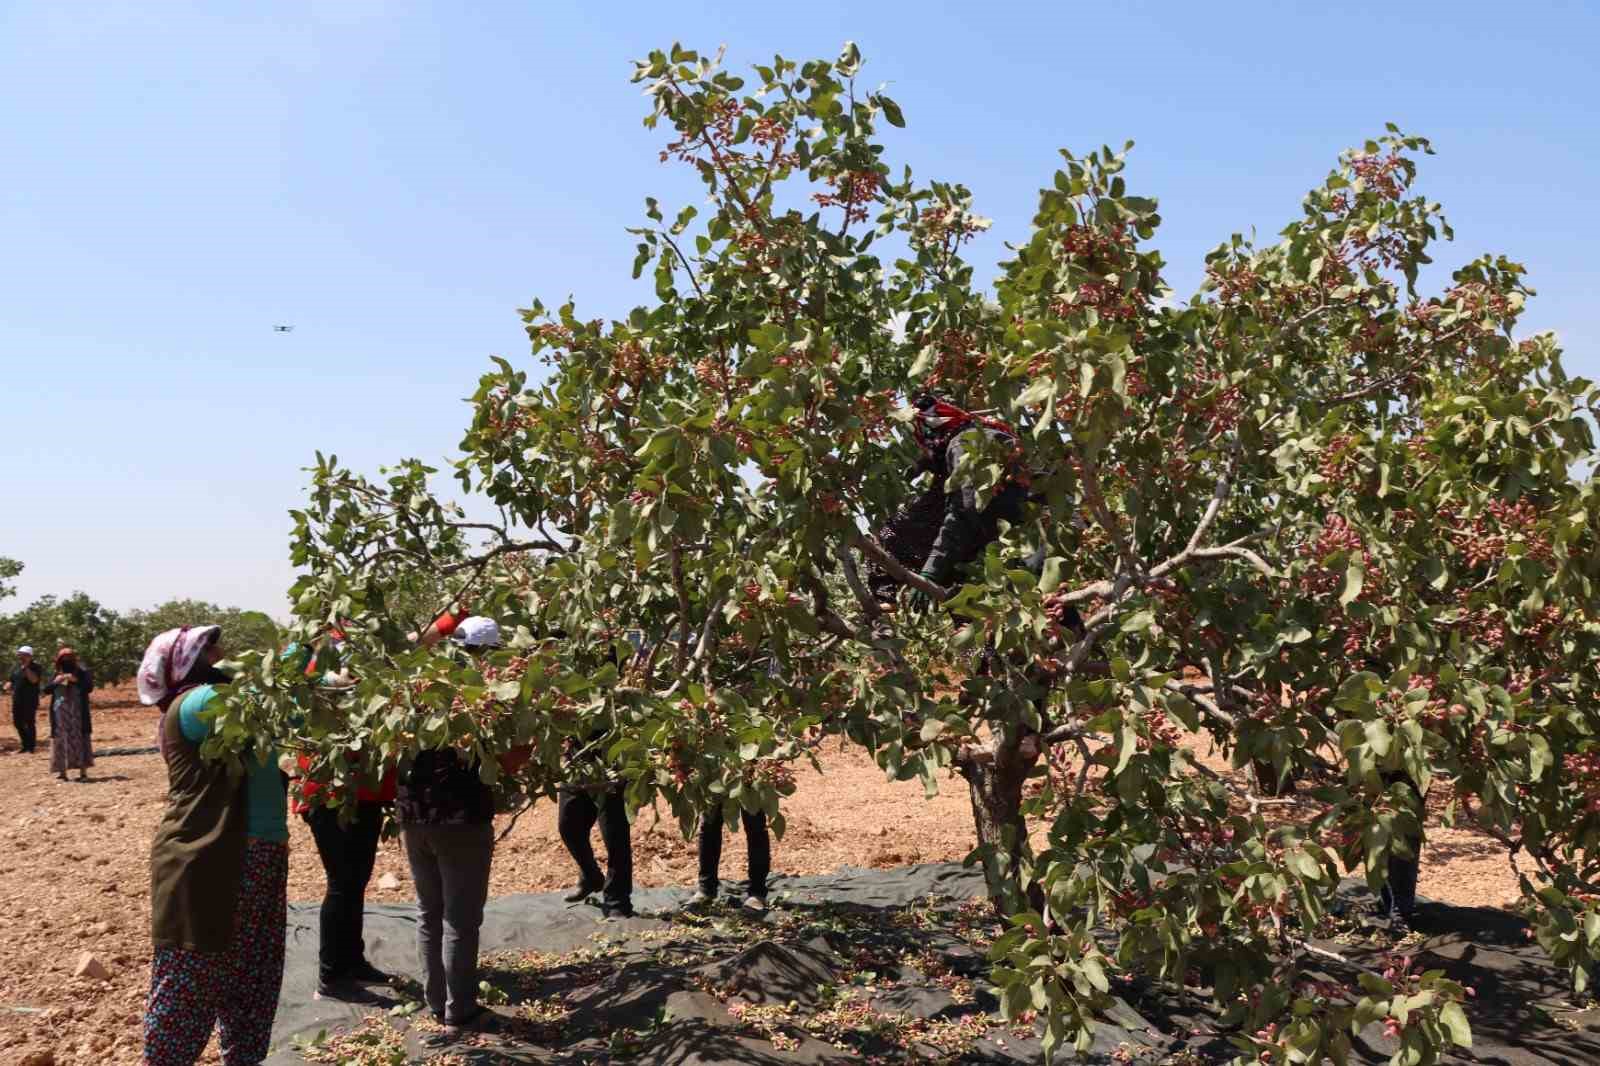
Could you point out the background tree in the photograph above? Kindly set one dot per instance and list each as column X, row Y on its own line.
column 242, row 630
column 113, row 643
column 9, row 568
column 1311, row 515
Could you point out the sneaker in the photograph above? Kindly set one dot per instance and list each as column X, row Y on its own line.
column 701, row 898
column 617, row 910
column 587, row 887
column 754, row 905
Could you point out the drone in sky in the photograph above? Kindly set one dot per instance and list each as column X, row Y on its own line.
column 282, row 329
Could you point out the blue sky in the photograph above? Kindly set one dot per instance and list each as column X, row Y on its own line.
column 395, row 179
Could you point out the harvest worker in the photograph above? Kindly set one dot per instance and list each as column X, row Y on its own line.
column 941, row 531
column 70, row 744
column 24, row 683
column 219, row 869
column 1398, row 900
column 758, row 845
column 348, row 848
column 577, row 811
column 446, row 815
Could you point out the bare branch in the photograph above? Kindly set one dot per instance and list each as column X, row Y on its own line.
column 1236, row 552
column 1069, row 731
column 509, row 548
column 869, row 546
column 1195, row 695
column 707, row 635
column 683, row 611
column 1219, row 496
column 869, row 606
column 1377, row 385
column 1090, row 481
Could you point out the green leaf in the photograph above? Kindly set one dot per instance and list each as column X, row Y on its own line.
column 1540, row 757
column 1127, row 746
column 1304, row 865
column 1354, row 577
column 1096, row 974
column 1454, row 1019
column 891, row 112
column 1050, row 576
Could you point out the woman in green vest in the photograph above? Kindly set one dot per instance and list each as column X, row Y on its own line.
column 219, row 869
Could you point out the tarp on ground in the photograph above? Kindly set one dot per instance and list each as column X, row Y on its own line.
column 1519, row 1016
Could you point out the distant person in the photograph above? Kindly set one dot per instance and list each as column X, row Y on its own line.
column 219, row 871
column 24, row 684
column 71, row 747
column 446, row 816
column 758, row 844
column 348, row 848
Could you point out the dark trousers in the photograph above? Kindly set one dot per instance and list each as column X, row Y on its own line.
column 348, row 853
column 450, row 867
column 756, row 840
column 576, row 814
column 1399, row 896
column 26, row 719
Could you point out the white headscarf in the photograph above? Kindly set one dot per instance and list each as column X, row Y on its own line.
column 168, row 660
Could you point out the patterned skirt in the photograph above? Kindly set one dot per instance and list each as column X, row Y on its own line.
column 235, row 991
column 70, row 747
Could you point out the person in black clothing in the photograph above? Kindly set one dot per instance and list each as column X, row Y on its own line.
column 939, row 532
column 348, row 848
column 577, row 811
column 1398, row 900
column 24, row 683
column 759, row 845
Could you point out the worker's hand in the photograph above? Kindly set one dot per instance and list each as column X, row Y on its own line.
column 920, row 602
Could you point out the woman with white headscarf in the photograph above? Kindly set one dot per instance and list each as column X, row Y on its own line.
column 219, row 868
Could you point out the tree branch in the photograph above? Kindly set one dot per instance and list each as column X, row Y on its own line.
column 869, row 606
column 683, row 611
column 509, row 548
column 1090, row 481
column 869, row 546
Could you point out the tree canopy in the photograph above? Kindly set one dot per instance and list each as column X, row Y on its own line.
column 1312, row 514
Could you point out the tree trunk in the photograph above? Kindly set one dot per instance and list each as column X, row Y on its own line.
column 995, row 787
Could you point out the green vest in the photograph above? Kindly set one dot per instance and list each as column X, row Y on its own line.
column 197, row 857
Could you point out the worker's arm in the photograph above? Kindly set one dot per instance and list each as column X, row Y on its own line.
column 441, row 627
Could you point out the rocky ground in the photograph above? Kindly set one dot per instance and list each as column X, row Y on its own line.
column 74, row 879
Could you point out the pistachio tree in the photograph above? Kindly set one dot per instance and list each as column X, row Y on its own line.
column 1314, row 516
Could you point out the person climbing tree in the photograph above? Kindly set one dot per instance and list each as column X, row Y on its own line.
column 940, row 531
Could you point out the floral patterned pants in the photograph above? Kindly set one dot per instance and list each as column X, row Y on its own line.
column 236, row 990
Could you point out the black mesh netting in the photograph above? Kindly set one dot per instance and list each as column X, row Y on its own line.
column 876, row 960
